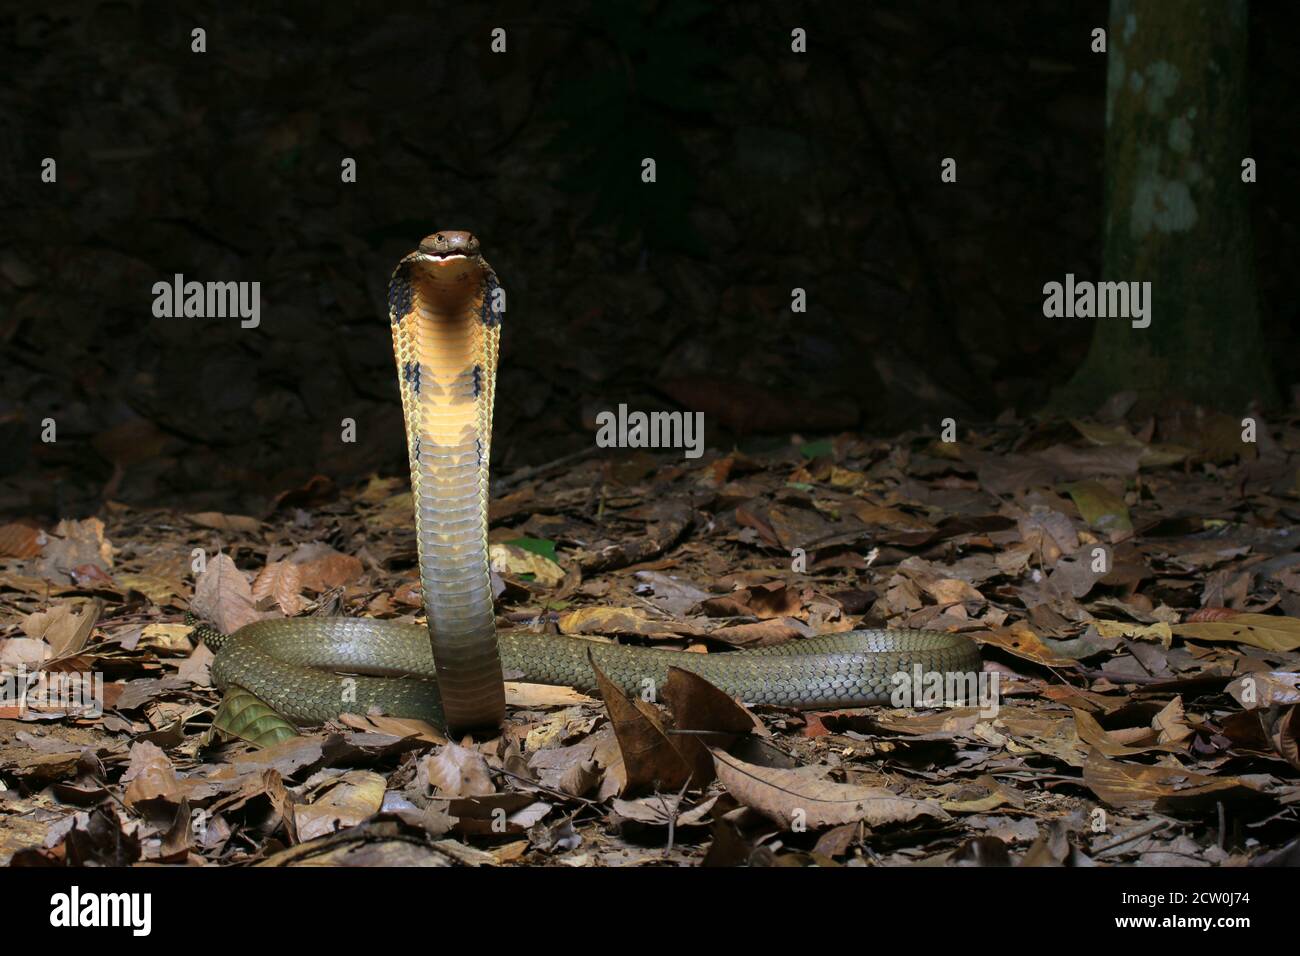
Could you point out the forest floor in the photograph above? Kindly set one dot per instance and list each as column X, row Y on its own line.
column 1133, row 585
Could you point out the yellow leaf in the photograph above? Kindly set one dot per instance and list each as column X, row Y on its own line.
column 1143, row 632
column 1269, row 631
column 516, row 560
column 1100, row 507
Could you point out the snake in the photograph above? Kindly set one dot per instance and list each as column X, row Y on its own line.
column 446, row 308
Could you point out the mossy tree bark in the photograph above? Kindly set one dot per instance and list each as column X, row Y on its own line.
column 1177, row 210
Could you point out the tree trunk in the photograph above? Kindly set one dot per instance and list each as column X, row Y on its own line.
column 1177, row 210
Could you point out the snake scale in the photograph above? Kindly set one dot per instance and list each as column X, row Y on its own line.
column 445, row 307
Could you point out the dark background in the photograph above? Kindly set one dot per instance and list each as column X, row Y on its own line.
column 776, row 170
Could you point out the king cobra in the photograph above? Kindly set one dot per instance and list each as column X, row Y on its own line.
column 446, row 307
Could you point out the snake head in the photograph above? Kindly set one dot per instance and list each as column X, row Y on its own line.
column 446, row 274
column 448, row 244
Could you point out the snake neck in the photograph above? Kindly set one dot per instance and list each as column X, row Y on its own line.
column 445, row 338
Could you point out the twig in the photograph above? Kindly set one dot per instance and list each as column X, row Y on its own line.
column 523, row 474
column 1147, row 831
column 560, row 794
column 672, row 814
column 1095, row 674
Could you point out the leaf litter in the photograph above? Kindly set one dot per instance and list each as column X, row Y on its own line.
column 1134, row 589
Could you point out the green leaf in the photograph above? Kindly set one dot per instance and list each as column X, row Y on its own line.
column 245, row 716
column 536, row 545
column 816, row 449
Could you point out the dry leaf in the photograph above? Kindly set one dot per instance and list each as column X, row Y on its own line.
column 651, row 757
column 791, row 798
column 512, row 559
column 236, row 524
column 322, row 568
column 282, row 581
column 1265, row 689
column 1124, row 785
column 621, row 620
column 158, row 589
column 74, row 544
column 23, row 652
column 21, row 541
column 455, row 771
column 348, row 800
column 222, row 595
column 168, row 638
column 57, row 626
column 1159, row 631
column 1113, row 744
column 1269, row 631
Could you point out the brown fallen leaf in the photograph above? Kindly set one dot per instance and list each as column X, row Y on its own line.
column 1113, row 745
column 455, row 771
column 58, row 627
column 197, row 667
column 948, row 591
column 652, row 759
column 404, row 727
column 792, row 799
column 319, row 490
column 237, row 524
column 21, row 540
column 343, row 802
column 622, row 621
column 322, row 568
column 157, row 588
column 881, row 516
column 281, row 580
column 222, row 595
column 73, row 544
column 532, row 696
column 1265, row 689
column 1123, row 785
column 25, row 652
column 764, row 601
column 150, row 777
column 1020, row 640
column 760, row 633
column 703, row 717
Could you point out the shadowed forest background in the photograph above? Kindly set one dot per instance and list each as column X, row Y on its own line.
column 775, row 172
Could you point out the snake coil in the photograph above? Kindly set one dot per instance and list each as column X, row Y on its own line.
column 445, row 306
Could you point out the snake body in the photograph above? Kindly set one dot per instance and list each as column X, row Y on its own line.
column 445, row 308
